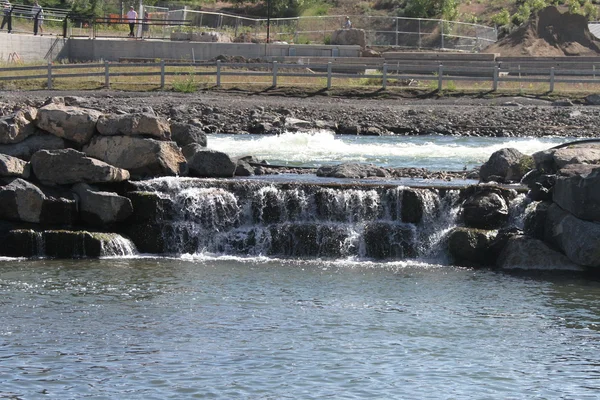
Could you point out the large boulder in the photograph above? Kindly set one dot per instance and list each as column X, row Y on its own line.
column 60, row 167
column 553, row 160
column 579, row 240
column 352, row 171
column 208, row 163
column 25, row 202
column 72, row 123
column 506, row 165
column 485, row 209
column 184, row 134
column 522, row 252
column 142, row 157
column 580, row 194
column 101, row 208
column 16, row 127
column 13, row 166
column 349, row 37
column 25, row 149
column 470, row 247
column 138, row 124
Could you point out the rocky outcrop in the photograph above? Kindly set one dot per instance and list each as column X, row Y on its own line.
column 553, row 160
column 61, row 167
column 12, row 166
column 75, row 124
column 99, row 208
column 506, row 165
column 208, row 163
column 16, row 127
column 137, row 124
column 143, row 158
column 25, row 149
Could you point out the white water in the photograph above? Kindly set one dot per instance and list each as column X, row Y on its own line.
column 321, row 147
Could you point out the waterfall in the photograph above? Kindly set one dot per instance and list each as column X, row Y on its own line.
column 238, row 217
column 117, row 246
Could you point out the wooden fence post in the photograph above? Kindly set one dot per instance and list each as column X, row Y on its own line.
column 384, row 79
column 274, row 74
column 440, row 77
column 162, row 74
column 218, row 73
column 329, row 75
column 551, row 79
column 106, row 75
column 49, row 74
column 496, row 73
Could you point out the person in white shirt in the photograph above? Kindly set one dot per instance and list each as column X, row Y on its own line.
column 131, row 18
column 38, row 16
column 348, row 23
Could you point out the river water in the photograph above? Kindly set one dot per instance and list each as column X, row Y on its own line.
column 206, row 326
column 273, row 329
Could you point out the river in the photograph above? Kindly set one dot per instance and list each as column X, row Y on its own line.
column 201, row 325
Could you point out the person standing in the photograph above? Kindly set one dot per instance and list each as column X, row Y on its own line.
column 131, row 18
column 7, row 15
column 145, row 26
column 348, row 23
column 38, row 16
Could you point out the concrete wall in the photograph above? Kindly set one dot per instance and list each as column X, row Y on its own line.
column 31, row 48
column 116, row 49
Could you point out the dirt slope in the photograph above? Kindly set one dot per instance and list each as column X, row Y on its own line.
column 550, row 33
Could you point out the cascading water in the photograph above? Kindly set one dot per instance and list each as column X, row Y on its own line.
column 239, row 217
column 117, row 246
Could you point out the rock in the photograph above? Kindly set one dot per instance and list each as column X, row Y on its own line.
column 100, row 208
column 148, row 207
column 414, row 202
column 580, row 194
column 243, row 167
column 469, row 246
column 16, row 127
column 352, row 170
column 62, row 167
column 562, row 103
column 369, row 53
column 208, row 163
column 509, row 164
column 385, row 240
column 550, row 161
column 26, row 202
column 25, row 149
column 68, row 122
column 60, row 243
column 536, row 215
column 522, row 252
column 349, row 37
column 138, row 124
column 147, row 237
column 184, row 134
column 593, row 99
column 295, row 124
column 143, row 158
column 578, row 239
column 485, row 209
column 12, row 166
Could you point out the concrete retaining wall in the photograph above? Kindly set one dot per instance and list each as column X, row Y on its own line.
column 31, row 48
column 114, row 50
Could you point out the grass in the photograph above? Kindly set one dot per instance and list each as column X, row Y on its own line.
column 190, row 79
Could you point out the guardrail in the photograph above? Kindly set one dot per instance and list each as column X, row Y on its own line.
column 313, row 72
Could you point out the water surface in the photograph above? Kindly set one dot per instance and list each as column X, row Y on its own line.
column 273, row 329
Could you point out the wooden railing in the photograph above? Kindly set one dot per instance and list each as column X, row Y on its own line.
column 493, row 73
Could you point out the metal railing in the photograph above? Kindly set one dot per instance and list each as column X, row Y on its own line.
column 315, row 73
column 380, row 31
column 21, row 18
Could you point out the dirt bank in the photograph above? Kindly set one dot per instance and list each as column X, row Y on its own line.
column 230, row 112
